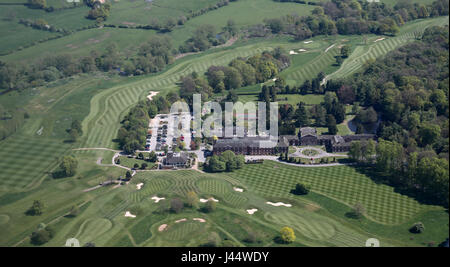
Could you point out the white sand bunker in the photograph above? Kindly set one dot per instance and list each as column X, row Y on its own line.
column 238, row 189
column 162, row 227
column 199, row 220
column 379, row 39
column 181, row 220
column 128, row 214
column 139, row 186
column 209, row 199
column 292, row 52
column 251, row 211
column 302, row 50
column 279, row 204
column 331, row 46
column 152, row 94
column 307, row 42
column 158, row 199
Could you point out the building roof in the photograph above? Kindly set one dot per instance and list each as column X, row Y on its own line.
column 176, row 158
column 305, row 131
column 290, row 137
column 256, row 142
column 354, row 137
column 337, row 139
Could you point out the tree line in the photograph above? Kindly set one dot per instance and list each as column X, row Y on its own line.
column 349, row 17
column 409, row 89
column 152, row 56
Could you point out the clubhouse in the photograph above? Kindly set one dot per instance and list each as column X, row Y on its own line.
column 307, row 136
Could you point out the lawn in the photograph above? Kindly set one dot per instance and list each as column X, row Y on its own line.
column 344, row 184
column 130, row 162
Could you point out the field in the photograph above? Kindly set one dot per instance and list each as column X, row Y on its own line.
column 318, row 219
column 101, row 100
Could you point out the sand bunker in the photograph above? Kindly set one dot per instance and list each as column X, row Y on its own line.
column 181, row 220
column 152, row 94
column 279, row 204
column 206, row 200
column 251, row 211
column 139, row 186
column 302, row 50
column 162, row 227
column 157, row 199
column 331, row 46
column 238, row 189
column 307, row 42
column 292, row 52
column 128, row 214
column 199, row 220
column 379, row 39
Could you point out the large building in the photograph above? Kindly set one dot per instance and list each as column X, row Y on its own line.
column 251, row 146
column 308, row 136
column 176, row 160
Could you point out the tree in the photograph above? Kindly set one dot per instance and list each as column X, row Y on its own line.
column 287, row 234
column 36, row 209
column 39, row 4
column 355, row 152
column 389, row 157
column 302, row 189
column 345, row 51
column 231, row 27
column 214, row 240
column 176, row 205
column 128, row 175
column 301, row 116
column 358, row 211
column 144, row 166
column 41, row 236
column 192, row 199
column 210, row 206
column 152, row 157
column 74, row 211
column 73, row 135
column 331, row 124
column 68, row 166
column 417, row 228
column 429, row 133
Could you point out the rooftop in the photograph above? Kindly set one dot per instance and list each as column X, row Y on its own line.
column 305, row 131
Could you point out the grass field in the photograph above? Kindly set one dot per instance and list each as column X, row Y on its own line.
column 129, row 12
column 343, row 184
column 100, row 101
column 318, row 219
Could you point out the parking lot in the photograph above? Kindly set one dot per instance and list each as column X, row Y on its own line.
column 164, row 130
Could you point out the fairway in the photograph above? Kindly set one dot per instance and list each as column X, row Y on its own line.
column 82, row 81
column 341, row 183
column 25, row 160
column 373, row 50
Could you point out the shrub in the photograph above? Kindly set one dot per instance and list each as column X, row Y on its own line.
column 176, row 205
column 302, row 189
column 287, row 234
column 417, row 228
column 357, row 211
column 210, row 206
